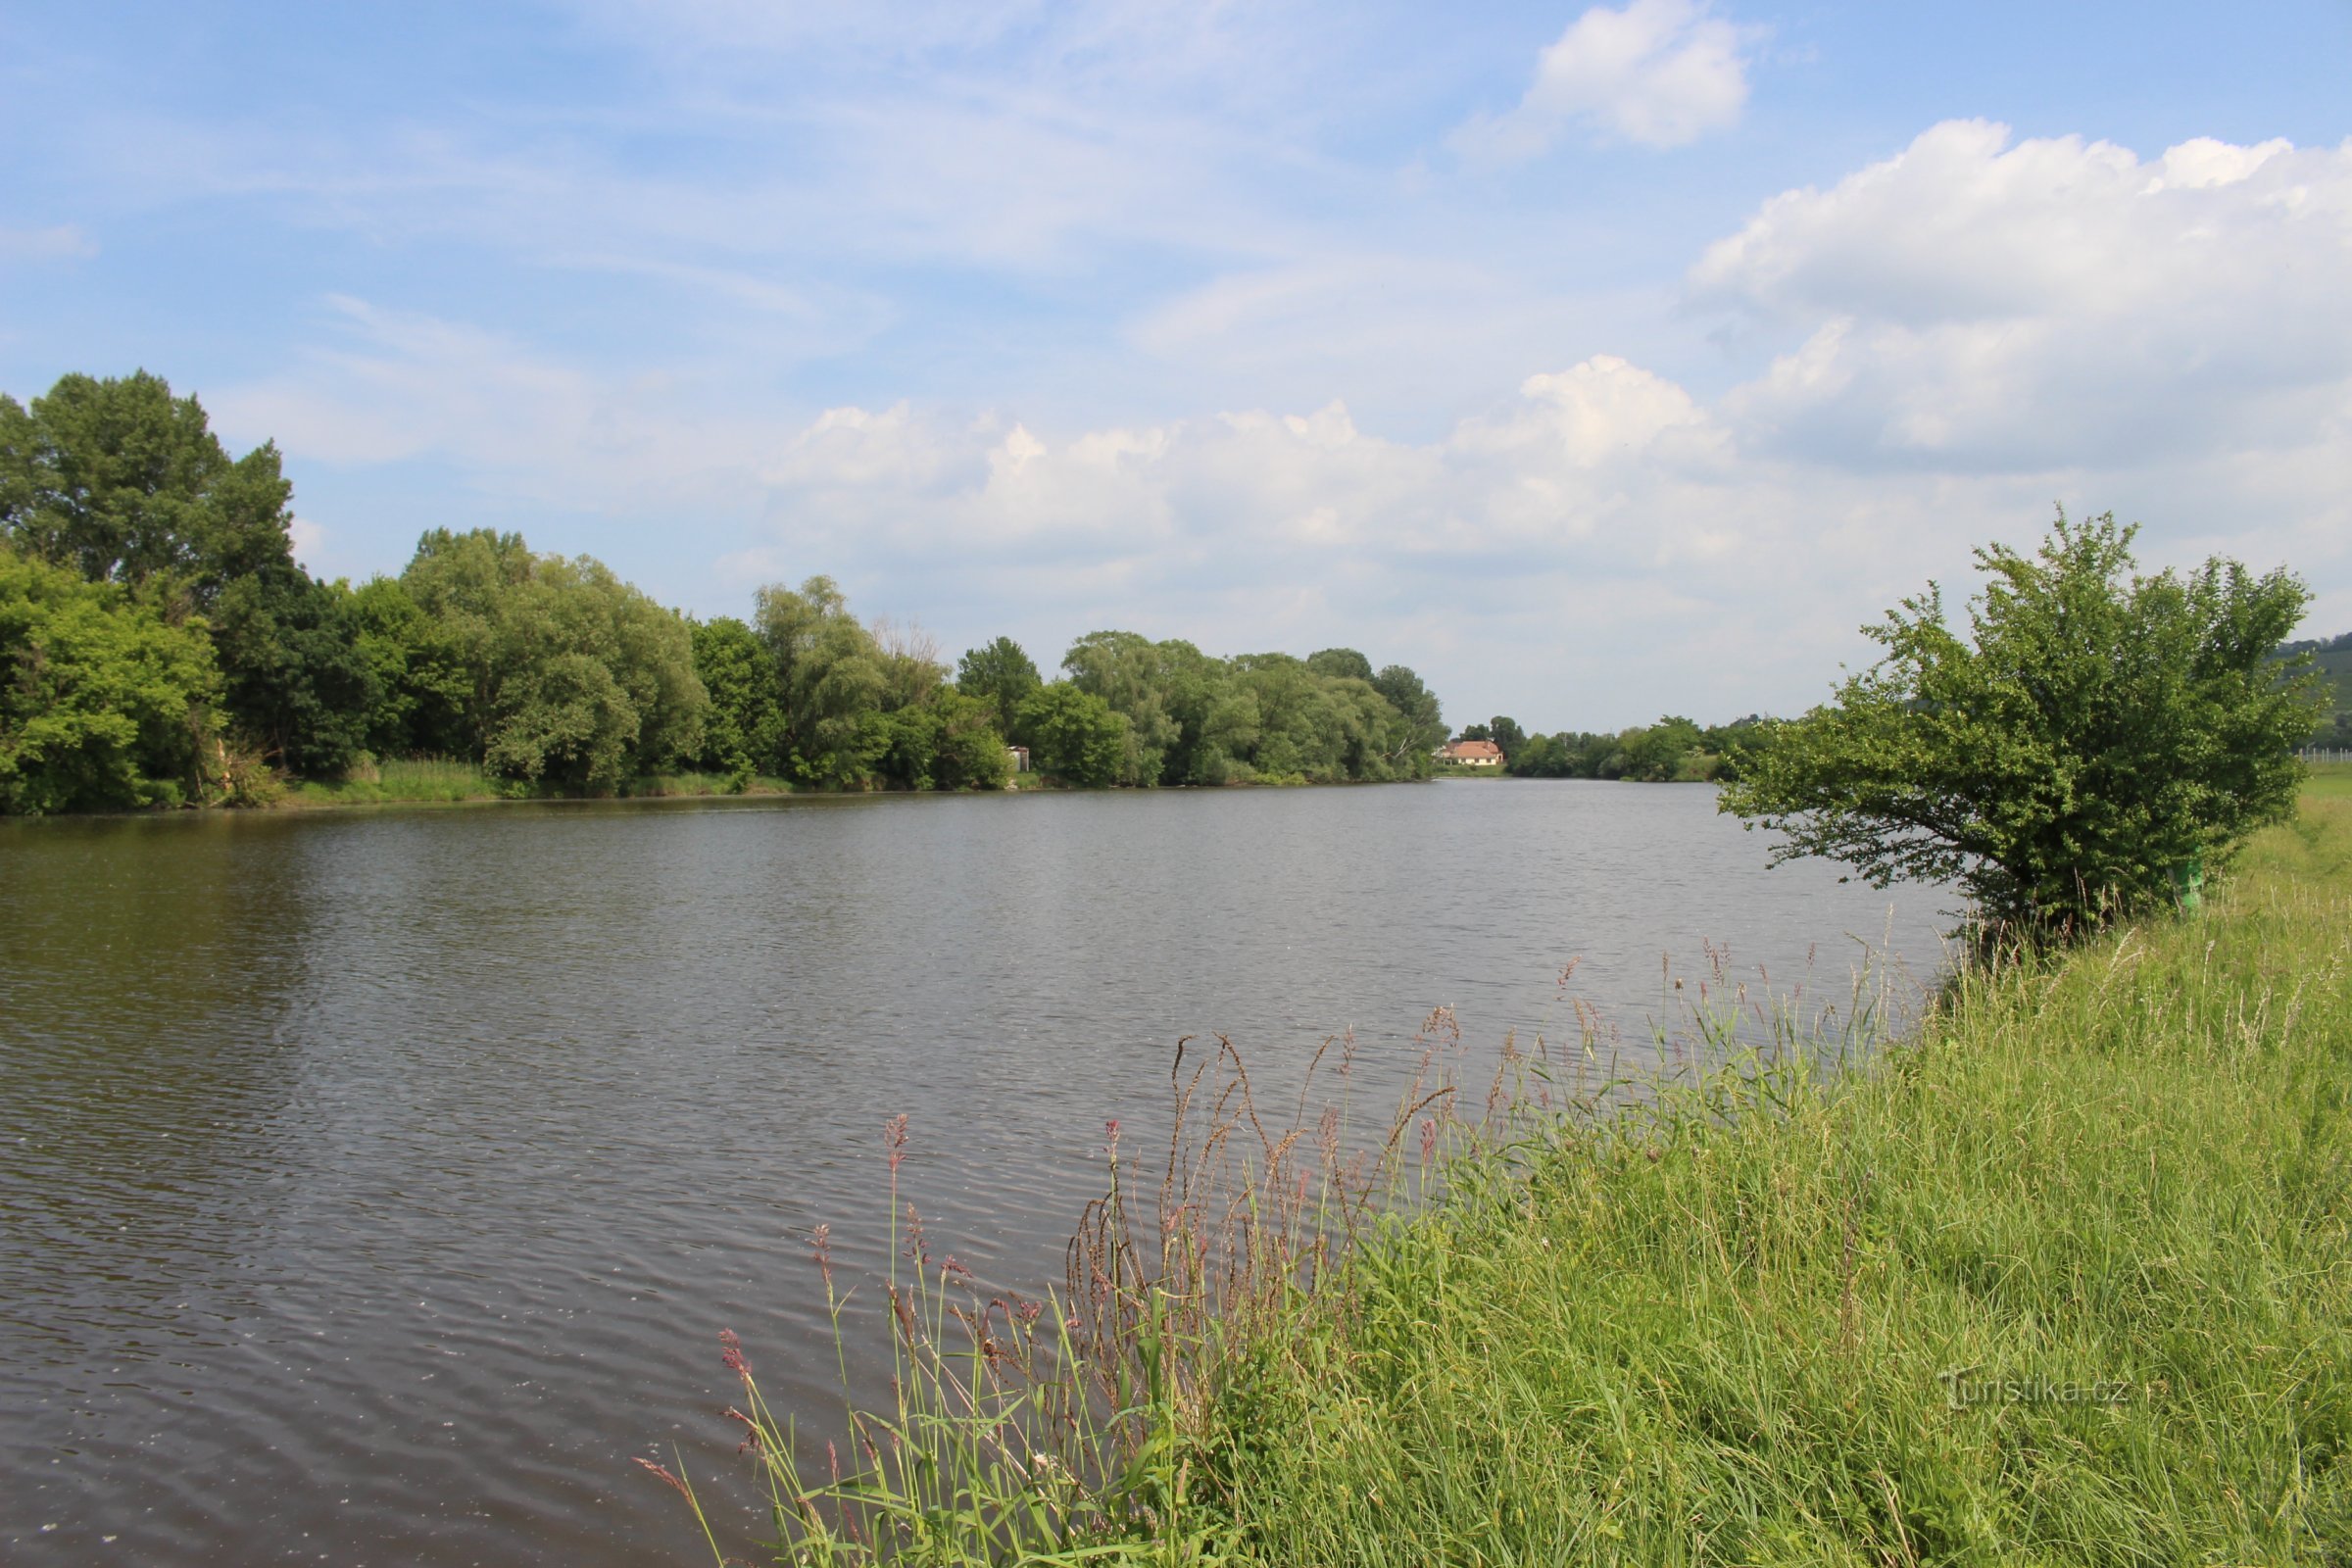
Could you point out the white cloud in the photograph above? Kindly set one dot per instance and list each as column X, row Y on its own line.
column 1980, row 305
column 1659, row 73
column 1952, row 339
column 308, row 541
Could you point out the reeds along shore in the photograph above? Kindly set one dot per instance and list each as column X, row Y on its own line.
column 2065, row 1277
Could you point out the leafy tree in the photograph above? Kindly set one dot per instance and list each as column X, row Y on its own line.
column 1130, row 673
column 1735, row 745
column 1000, row 674
column 1074, row 735
column 567, row 674
column 1421, row 727
column 2094, row 731
column 122, row 482
column 1656, row 754
column 420, row 683
column 1475, row 732
column 1544, row 757
column 1507, row 734
column 298, row 679
column 103, row 699
column 832, row 684
column 1340, row 663
column 743, row 732
column 951, row 743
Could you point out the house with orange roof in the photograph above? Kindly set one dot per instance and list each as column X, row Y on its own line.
column 1471, row 753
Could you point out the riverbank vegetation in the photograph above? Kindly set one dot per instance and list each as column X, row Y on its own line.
column 2065, row 1276
column 160, row 645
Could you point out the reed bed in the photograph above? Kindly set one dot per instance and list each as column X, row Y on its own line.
column 2063, row 1277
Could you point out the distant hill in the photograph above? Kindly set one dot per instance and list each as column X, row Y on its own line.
column 2334, row 658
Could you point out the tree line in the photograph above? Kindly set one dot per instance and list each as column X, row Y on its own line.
column 1673, row 750
column 160, row 645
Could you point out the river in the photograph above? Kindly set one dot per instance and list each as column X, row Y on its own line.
column 374, row 1184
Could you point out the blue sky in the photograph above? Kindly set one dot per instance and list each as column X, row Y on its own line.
column 1596, row 361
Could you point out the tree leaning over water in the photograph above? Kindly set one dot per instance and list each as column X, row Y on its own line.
column 2095, row 741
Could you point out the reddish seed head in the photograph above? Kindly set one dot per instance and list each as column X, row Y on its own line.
column 821, row 1247
column 731, row 1353
column 667, row 1476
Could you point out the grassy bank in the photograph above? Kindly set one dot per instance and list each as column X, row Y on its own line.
column 2065, row 1279
column 430, row 781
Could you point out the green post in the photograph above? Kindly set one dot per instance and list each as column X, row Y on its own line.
column 2188, row 885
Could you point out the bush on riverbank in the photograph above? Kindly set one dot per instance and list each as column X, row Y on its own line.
column 2066, row 1279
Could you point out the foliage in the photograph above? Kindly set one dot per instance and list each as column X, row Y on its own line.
column 548, row 672
column 103, row 699
column 299, row 678
column 1074, row 735
column 743, row 733
column 567, row 673
column 2093, row 732
column 422, row 684
column 124, row 483
column 1196, row 720
column 831, row 684
column 1000, row 674
column 1658, row 753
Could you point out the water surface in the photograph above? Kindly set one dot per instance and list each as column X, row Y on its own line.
column 374, row 1184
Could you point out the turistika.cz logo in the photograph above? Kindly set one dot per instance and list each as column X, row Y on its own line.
column 1966, row 1387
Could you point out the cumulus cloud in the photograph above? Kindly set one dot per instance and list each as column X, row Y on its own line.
column 1658, row 72
column 1974, row 303
column 1941, row 344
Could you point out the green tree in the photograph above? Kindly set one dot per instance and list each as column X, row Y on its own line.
column 1074, row 736
column 1421, row 723
column 1507, row 734
column 1130, row 673
column 1657, row 754
column 122, row 482
column 566, row 674
column 2093, row 732
column 420, row 684
column 1340, row 663
column 744, row 731
column 103, row 699
column 833, row 684
column 297, row 681
column 1000, row 674
column 950, row 743
column 1544, row 757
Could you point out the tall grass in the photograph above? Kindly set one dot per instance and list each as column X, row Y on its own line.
column 2066, row 1277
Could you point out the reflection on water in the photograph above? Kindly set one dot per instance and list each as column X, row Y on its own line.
column 374, row 1185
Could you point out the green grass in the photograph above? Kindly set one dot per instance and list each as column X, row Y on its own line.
column 1723, row 1331
column 2065, row 1279
column 2329, row 781
column 435, row 781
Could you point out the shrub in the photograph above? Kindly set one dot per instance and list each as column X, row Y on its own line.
column 2097, row 734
